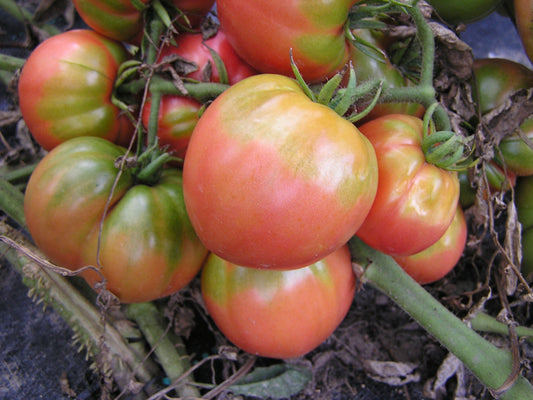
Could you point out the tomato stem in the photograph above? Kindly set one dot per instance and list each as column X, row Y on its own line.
column 478, row 355
column 10, row 63
column 11, row 201
column 167, row 346
column 21, row 14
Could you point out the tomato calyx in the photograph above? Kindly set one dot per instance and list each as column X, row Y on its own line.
column 446, row 149
column 338, row 97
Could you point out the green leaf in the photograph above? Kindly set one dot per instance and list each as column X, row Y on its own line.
column 279, row 381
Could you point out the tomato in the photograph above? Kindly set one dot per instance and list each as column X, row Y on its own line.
column 122, row 20
column 516, row 153
column 192, row 47
column 464, row 11
column 117, row 19
column 415, row 201
column 440, row 258
column 523, row 10
column 263, row 32
column 178, row 115
column 497, row 78
column 194, row 10
column 279, row 314
column 368, row 68
column 274, row 180
column 65, row 89
column 148, row 249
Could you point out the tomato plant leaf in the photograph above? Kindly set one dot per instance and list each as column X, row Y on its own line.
column 278, row 381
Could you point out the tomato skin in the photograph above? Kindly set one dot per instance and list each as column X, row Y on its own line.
column 464, row 11
column 148, row 247
column 439, row 259
column 415, row 200
column 269, row 168
column 65, row 89
column 313, row 29
column 279, row 314
column 523, row 10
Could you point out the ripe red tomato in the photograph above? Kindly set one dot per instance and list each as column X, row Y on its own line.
column 274, row 180
column 148, row 248
column 279, row 314
column 415, row 201
column 178, row 115
column 439, row 259
column 65, row 89
column 263, row 32
column 523, row 10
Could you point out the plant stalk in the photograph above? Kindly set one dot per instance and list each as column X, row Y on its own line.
column 167, row 346
column 490, row 364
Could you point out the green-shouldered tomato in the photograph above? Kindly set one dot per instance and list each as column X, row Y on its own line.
column 263, row 33
column 274, row 180
column 279, row 314
column 415, row 201
column 76, row 201
column 65, row 89
column 464, row 11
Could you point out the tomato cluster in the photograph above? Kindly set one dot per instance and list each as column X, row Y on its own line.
column 267, row 184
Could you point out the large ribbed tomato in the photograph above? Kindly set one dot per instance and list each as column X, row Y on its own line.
column 264, row 31
column 279, row 314
column 415, row 201
column 65, row 89
column 147, row 248
column 274, row 180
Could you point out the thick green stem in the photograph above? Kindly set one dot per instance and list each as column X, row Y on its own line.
column 490, row 364
column 153, row 121
column 10, row 63
column 485, row 323
column 167, row 346
column 11, row 200
column 200, row 91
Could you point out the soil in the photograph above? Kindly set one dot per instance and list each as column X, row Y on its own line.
column 378, row 352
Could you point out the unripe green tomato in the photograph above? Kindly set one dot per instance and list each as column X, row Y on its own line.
column 464, row 11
